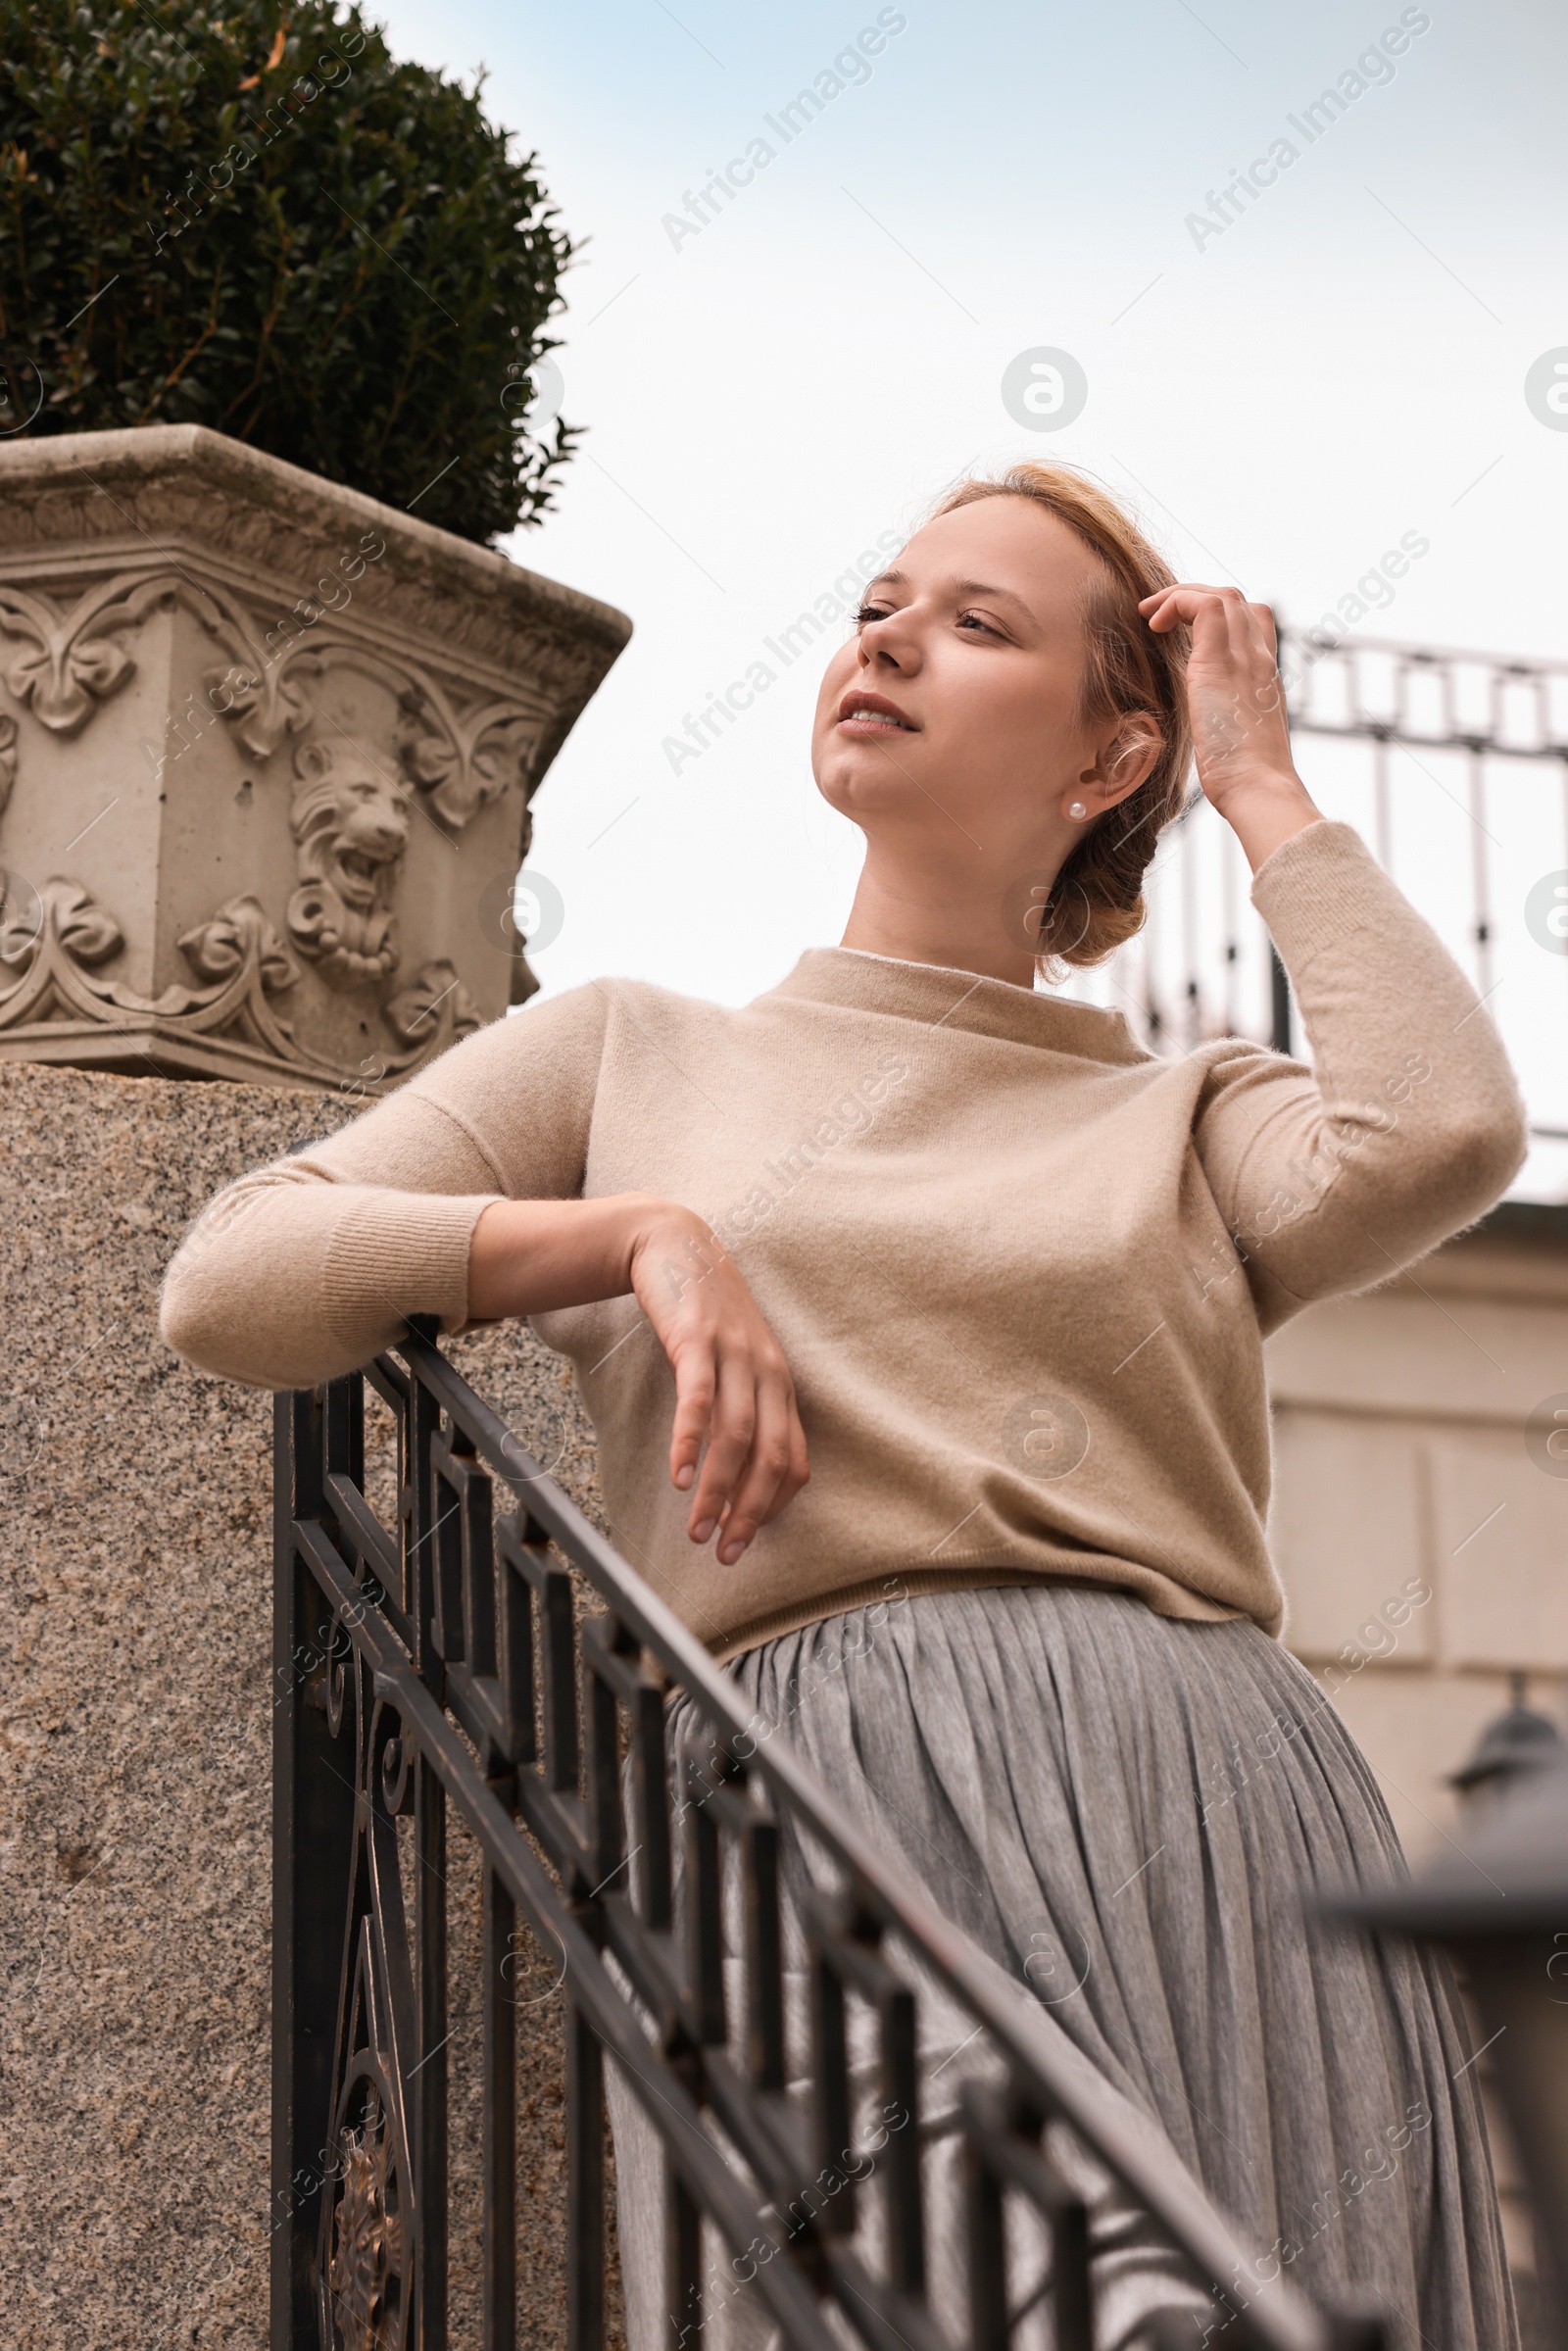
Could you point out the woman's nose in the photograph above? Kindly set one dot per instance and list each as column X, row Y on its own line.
column 883, row 640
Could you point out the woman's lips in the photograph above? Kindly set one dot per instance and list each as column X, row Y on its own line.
column 873, row 714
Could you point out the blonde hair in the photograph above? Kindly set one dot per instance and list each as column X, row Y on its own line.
column 1096, row 901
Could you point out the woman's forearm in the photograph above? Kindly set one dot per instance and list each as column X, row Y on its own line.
column 530, row 1255
column 736, row 1443
column 1409, row 1123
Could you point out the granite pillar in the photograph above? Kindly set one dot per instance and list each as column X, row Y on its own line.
column 135, row 1745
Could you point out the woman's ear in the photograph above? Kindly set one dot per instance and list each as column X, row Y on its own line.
column 1126, row 759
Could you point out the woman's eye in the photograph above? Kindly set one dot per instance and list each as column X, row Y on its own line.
column 966, row 619
column 871, row 612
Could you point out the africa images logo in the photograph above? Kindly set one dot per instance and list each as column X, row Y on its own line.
column 1372, row 69
column 849, row 70
column 1546, row 389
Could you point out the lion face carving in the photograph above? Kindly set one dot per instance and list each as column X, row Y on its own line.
column 350, row 820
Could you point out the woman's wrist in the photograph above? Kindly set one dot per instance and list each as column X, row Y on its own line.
column 528, row 1257
column 1265, row 812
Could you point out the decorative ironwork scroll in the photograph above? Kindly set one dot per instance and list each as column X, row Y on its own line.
column 441, row 1661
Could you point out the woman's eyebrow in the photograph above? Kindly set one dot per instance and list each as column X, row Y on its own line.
column 959, row 587
column 981, row 587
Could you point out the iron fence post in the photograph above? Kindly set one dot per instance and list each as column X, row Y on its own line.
column 313, row 1845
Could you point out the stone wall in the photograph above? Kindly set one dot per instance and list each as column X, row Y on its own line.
column 135, row 1751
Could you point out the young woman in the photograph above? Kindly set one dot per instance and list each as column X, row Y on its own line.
column 997, row 1281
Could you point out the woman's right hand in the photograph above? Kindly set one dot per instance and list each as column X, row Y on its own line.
column 733, row 1389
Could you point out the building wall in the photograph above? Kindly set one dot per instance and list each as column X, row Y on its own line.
column 1402, row 1467
column 1403, row 1470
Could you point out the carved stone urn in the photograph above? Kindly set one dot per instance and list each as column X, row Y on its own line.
column 266, row 753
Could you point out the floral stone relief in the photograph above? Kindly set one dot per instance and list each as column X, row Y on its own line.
column 367, row 786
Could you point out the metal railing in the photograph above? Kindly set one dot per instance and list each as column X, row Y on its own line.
column 434, row 1658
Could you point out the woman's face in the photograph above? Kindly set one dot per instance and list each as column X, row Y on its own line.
column 954, row 711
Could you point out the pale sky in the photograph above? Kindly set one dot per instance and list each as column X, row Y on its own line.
column 1280, row 400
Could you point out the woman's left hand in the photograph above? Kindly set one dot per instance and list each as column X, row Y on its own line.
column 1236, row 703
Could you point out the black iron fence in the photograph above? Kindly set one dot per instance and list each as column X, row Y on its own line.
column 435, row 1653
column 1455, row 767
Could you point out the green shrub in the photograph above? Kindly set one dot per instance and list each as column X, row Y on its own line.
column 263, row 223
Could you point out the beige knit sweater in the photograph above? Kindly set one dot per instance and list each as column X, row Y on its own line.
column 1021, row 1269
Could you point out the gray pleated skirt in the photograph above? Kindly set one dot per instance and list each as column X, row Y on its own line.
column 1125, row 1812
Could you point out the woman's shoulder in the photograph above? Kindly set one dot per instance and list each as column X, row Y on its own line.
column 567, row 1032
column 594, row 1006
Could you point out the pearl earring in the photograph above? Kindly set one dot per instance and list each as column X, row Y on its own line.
column 1075, row 807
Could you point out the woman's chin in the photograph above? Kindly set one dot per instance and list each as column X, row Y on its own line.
column 853, row 777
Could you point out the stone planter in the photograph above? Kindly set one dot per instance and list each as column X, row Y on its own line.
column 267, row 753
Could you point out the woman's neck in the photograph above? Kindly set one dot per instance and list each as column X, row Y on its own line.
column 955, row 925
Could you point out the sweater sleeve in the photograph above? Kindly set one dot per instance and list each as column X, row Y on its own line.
column 304, row 1269
column 1409, row 1123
